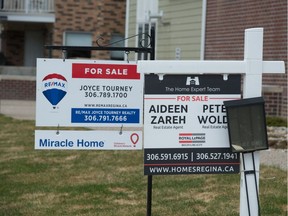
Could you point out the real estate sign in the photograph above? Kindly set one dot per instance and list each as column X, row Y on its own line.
column 185, row 124
column 88, row 93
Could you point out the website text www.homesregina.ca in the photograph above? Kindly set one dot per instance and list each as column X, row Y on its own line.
column 191, row 169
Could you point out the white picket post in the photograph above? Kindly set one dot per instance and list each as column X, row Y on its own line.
column 252, row 86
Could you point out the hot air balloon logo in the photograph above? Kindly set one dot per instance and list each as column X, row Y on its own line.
column 54, row 88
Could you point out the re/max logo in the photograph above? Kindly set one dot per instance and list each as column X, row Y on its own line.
column 55, row 83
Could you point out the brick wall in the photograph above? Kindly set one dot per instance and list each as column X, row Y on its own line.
column 226, row 22
column 17, row 88
column 14, row 42
column 274, row 105
column 98, row 17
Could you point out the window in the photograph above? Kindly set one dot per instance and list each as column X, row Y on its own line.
column 78, row 39
column 117, row 40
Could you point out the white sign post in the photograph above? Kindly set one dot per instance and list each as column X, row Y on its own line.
column 252, row 68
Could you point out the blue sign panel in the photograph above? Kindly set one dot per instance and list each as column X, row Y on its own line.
column 103, row 115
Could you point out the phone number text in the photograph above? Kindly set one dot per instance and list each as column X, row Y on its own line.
column 106, row 94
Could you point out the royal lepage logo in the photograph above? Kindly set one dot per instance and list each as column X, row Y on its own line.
column 192, row 139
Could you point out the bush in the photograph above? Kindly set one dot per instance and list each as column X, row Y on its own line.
column 276, row 121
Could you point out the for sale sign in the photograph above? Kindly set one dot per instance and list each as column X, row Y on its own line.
column 185, row 124
column 88, row 93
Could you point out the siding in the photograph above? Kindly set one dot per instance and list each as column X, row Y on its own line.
column 132, row 19
column 181, row 29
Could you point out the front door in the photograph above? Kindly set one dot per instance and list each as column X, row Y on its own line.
column 34, row 47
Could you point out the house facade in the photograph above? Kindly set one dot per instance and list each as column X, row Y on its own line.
column 27, row 25
column 185, row 30
column 24, row 29
column 214, row 30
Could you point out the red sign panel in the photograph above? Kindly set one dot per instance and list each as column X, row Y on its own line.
column 105, row 71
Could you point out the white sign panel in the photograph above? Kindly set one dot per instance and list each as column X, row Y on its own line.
column 188, row 111
column 185, row 124
column 88, row 93
column 88, row 140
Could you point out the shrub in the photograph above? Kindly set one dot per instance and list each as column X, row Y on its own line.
column 276, row 121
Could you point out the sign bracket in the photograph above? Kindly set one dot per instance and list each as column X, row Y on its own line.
column 150, row 48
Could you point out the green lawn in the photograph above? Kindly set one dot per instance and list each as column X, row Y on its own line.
column 112, row 183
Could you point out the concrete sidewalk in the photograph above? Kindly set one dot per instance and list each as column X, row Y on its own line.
column 19, row 109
